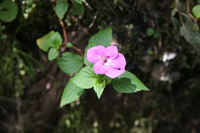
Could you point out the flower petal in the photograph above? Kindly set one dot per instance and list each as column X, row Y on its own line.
column 118, row 62
column 113, row 72
column 94, row 53
column 111, row 52
column 99, row 69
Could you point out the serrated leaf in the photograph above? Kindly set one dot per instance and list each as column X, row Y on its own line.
column 61, row 8
column 90, row 44
column 187, row 31
column 134, row 80
column 78, row 9
column 56, row 40
column 8, row 10
column 99, row 85
column 70, row 63
column 53, row 53
column 128, row 83
column 71, row 93
column 123, row 85
column 103, row 37
column 44, row 43
column 79, row 1
column 85, row 78
column 196, row 11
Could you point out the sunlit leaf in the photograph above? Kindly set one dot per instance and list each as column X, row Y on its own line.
column 196, row 11
column 69, row 45
column 85, row 78
column 71, row 93
column 53, row 53
column 56, row 40
column 44, row 43
column 99, row 85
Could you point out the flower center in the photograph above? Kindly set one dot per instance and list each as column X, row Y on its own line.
column 104, row 59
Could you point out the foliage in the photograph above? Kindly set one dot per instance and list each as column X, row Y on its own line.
column 44, row 43
column 86, row 78
column 61, row 8
column 8, row 10
column 71, row 63
column 114, row 112
column 187, row 23
column 151, row 32
column 196, row 11
column 68, row 60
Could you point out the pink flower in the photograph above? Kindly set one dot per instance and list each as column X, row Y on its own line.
column 107, row 60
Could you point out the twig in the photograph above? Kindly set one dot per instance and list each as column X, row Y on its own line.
column 188, row 12
column 64, row 32
column 65, row 35
column 66, row 40
column 78, row 50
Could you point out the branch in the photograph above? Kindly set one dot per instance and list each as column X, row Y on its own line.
column 188, row 11
column 65, row 35
column 64, row 32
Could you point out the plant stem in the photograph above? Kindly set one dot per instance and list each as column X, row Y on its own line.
column 64, row 32
column 65, row 36
column 78, row 50
column 188, row 11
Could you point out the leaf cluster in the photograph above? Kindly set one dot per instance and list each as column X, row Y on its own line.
column 87, row 79
column 71, row 63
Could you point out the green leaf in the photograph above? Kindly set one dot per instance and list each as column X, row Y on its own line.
column 53, row 53
column 150, row 32
column 56, row 40
column 123, row 85
column 70, row 62
column 61, row 8
column 196, row 11
column 69, row 45
column 128, row 83
column 71, row 93
column 44, row 43
column 8, row 10
column 103, row 37
column 90, row 44
column 85, row 78
column 79, row 1
column 196, row 27
column 78, row 9
column 192, row 36
column 99, row 85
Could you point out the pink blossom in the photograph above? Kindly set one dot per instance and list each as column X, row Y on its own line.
column 107, row 60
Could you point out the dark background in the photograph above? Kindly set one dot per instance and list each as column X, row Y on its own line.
column 31, row 86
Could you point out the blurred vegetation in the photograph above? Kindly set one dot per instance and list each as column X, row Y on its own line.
column 145, row 34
